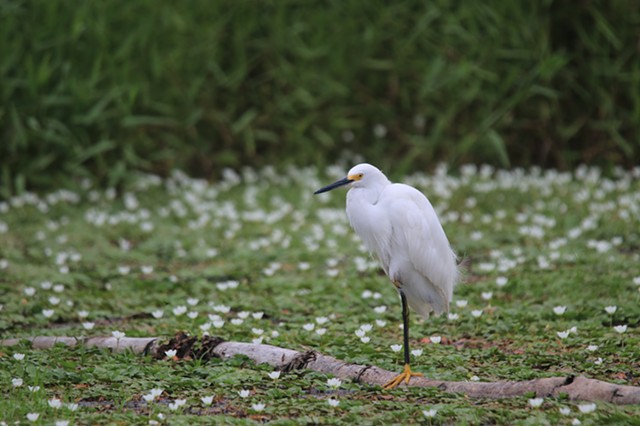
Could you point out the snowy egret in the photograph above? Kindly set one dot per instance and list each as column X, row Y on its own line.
column 398, row 224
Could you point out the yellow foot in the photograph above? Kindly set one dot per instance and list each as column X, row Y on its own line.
column 405, row 375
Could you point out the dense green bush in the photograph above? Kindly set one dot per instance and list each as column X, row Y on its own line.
column 101, row 88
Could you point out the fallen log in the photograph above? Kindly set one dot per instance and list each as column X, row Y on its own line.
column 286, row 360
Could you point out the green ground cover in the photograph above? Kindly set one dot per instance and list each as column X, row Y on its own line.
column 257, row 257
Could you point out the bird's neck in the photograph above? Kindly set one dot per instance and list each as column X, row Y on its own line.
column 371, row 194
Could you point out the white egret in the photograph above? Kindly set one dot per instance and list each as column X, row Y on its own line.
column 398, row 224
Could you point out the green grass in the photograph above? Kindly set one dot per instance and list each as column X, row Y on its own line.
column 558, row 239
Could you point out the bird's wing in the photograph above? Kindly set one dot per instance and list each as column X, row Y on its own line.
column 418, row 236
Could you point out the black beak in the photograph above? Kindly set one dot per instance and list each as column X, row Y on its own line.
column 334, row 185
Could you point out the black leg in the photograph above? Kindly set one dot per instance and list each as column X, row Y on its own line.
column 405, row 326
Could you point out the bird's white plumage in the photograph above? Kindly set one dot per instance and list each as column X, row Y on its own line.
column 398, row 223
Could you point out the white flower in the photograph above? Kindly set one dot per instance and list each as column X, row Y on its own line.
column 429, row 413
column 62, row 423
column 435, row 339
column 452, row 316
column 243, row 393
column 274, row 375
column 33, row 388
column 236, row 321
column 32, row 417
column 592, row 348
column 380, row 309
column 218, row 323
column 257, row 331
column 148, row 397
column 88, row 325
column 366, row 327
column 83, row 314
column 333, row 402
column 501, row 281
column 179, row 310
column 474, row 378
column 17, row 382
column 309, row 326
column 598, row 361
column 118, row 334
column 620, row 328
column 576, row 422
column 461, row 303
column 476, row 313
column 170, row 353
column 29, row 291
column 257, row 340
column 257, row 315
column 156, row 392
column 536, row 402
column 636, row 280
column 124, row 270
column 587, row 408
column 146, row 269
column 321, row 320
column 72, row 406
column 257, row 407
column 365, row 339
column 334, row 382
column 487, row 295
column 416, row 352
column 321, row 331
column 207, row 400
column 360, row 333
column 48, row 313
column 180, row 402
column 223, row 309
column 244, row 314
column 366, row 294
column 54, row 403
column 563, row 334
column 610, row 309
column 157, row 314
column 381, row 323
column 565, row 411
column 396, row 348
column 559, row 310
column 18, row 356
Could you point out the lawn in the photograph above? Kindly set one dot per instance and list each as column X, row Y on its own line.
column 550, row 287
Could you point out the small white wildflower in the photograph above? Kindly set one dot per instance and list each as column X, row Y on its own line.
column 55, row 403
column 435, row 339
column 365, row 339
column 207, row 400
column 381, row 323
column 565, row 411
column 88, row 325
column 452, row 316
column 236, row 321
column 416, row 352
column 118, row 334
column 48, row 313
column 257, row 315
column 274, row 375
column 333, row 402
column 218, row 323
column 146, row 269
column 62, row 423
column 309, row 326
column 192, row 301
column 461, row 303
column 244, row 314
column 243, row 393
column 559, row 310
column 429, row 413
column 157, row 314
column 366, row 327
column 170, row 353
column 257, row 407
column 33, row 388
column 501, row 281
column 18, row 356
column 32, row 417
column 156, row 392
column 321, row 320
column 396, row 348
column 474, row 378
column 334, row 382
column 563, row 334
column 360, row 333
column 587, row 408
column 610, row 309
column 192, row 314
column 576, row 422
column 321, row 331
column 380, row 309
column 72, row 406
column 17, row 382
column 620, row 328
column 487, row 295
column 179, row 310
column 476, row 313
column 592, row 348
column 536, row 402
column 29, row 291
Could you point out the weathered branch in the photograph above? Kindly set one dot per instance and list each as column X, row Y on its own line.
column 577, row 388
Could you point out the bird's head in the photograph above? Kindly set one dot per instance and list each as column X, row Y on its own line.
column 362, row 175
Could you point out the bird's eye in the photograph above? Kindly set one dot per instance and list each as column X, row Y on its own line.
column 360, row 175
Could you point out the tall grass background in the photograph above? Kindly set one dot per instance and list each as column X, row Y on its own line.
column 103, row 89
